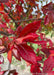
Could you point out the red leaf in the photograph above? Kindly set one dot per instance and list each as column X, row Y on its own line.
column 47, row 50
column 5, row 16
column 9, row 56
column 52, row 52
column 3, row 26
column 46, row 20
column 48, row 64
column 10, row 53
column 49, row 10
column 1, row 73
column 27, row 53
column 2, row 49
column 10, row 31
column 39, row 42
column 30, row 28
column 35, row 69
column 1, row 7
column 48, row 7
column 50, row 42
column 21, row 1
column 19, row 8
column 51, row 73
column 30, row 37
column 27, row 38
column 18, row 30
column 16, row 54
column 0, row 42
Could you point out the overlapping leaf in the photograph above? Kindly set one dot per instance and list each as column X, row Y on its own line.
column 27, row 53
column 35, row 69
column 16, row 54
column 48, row 65
column 47, row 50
column 49, row 10
column 30, row 28
column 27, row 38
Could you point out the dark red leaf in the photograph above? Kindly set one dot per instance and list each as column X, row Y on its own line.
column 10, row 31
column 49, row 10
column 48, row 7
column 3, row 26
column 16, row 54
column 47, row 50
column 1, row 7
column 39, row 42
column 46, row 20
column 19, row 8
column 2, row 49
column 27, row 38
column 35, row 69
column 27, row 53
column 48, row 64
column 0, row 42
column 30, row 28
column 22, row 1
column 18, row 30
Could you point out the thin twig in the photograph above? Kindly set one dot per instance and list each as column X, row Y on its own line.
column 4, row 33
column 21, row 20
column 29, row 19
column 9, row 66
column 11, row 17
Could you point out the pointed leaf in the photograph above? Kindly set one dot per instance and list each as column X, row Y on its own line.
column 48, row 64
column 47, row 51
column 1, row 7
column 2, row 49
column 27, row 38
column 16, row 54
column 35, row 69
column 27, row 53
column 30, row 28
column 9, row 56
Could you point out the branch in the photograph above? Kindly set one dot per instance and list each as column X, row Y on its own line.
column 21, row 20
column 29, row 19
column 11, row 18
column 9, row 66
column 4, row 33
